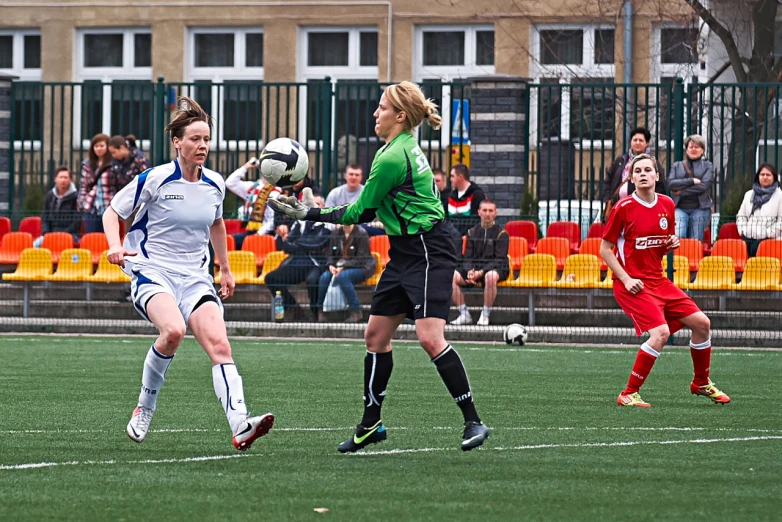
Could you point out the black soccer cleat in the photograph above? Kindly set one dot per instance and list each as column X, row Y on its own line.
column 475, row 434
column 364, row 437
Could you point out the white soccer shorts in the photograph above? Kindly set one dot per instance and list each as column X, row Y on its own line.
column 187, row 290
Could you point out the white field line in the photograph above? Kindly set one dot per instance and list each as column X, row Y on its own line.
column 582, row 445
column 37, row 465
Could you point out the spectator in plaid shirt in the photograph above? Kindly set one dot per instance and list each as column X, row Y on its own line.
column 95, row 172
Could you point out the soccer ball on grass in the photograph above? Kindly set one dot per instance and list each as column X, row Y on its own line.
column 515, row 334
column 284, row 162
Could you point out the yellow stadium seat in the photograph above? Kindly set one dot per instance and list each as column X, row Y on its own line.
column 537, row 270
column 273, row 262
column 715, row 273
column 75, row 265
column 681, row 271
column 608, row 282
column 243, row 267
column 509, row 280
column 581, row 271
column 761, row 273
column 374, row 278
column 35, row 264
column 108, row 273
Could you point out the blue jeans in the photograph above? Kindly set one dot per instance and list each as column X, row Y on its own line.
column 346, row 281
column 93, row 222
column 690, row 223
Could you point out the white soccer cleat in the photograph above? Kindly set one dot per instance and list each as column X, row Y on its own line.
column 250, row 429
column 139, row 423
column 463, row 319
column 483, row 320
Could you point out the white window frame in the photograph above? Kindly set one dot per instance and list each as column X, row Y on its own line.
column 106, row 75
column 566, row 74
column 353, row 71
column 24, row 75
column 218, row 75
column 449, row 73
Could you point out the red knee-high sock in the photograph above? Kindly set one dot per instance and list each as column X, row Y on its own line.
column 701, row 361
column 644, row 361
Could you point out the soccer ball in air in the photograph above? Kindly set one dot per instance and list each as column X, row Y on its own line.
column 515, row 334
column 284, row 162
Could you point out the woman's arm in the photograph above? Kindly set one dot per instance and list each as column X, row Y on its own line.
column 678, row 183
column 235, row 182
column 116, row 253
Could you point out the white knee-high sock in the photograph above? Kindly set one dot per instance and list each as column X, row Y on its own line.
column 230, row 392
column 153, row 377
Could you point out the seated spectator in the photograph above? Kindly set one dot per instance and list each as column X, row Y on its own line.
column 760, row 215
column 442, row 185
column 258, row 217
column 60, row 212
column 349, row 192
column 464, row 199
column 128, row 161
column 617, row 183
column 305, row 245
column 94, row 186
column 349, row 263
column 690, row 184
column 485, row 262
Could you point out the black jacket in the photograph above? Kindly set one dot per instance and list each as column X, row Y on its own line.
column 305, row 244
column 359, row 255
column 487, row 249
column 60, row 214
column 613, row 179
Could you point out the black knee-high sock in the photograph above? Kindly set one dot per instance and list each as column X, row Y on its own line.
column 452, row 371
column 377, row 371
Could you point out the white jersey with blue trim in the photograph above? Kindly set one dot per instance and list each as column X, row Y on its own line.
column 173, row 216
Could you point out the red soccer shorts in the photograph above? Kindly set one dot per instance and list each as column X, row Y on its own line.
column 660, row 302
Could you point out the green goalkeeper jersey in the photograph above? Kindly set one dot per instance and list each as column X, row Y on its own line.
column 400, row 191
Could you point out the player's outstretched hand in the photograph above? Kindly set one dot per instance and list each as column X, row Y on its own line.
column 289, row 205
column 227, row 285
column 672, row 243
column 634, row 285
column 116, row 255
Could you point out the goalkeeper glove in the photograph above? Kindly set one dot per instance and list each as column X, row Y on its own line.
column 293, row 207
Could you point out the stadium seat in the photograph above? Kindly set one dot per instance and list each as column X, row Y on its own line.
column 243, row 267
column 5, row 226
column 608, row 282
column 581, row 271
column 75, row 265
column 526, row 229
column 56, row 242
column 35, row 264
column 692, row 250
column 96, row 243
column 374, row 278
column 567, row 229
column 537, row 270
column 233, row 226
column 595, row 230
column 591, row 245
column 108, row 272
column 770, row 248
column 273, row 262
column 559, row 247
column 31, row 225
column 706, row 242
column 761, row 273
column 510, row 278
column 12, row 245
column 681, row 271
column 735, row 249
column 230, row 243
column 517, row 249
column 729, row 231
column 260, row 245
column 382, row 245
column 715, row 273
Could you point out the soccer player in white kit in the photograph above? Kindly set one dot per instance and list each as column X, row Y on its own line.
column 178, row 209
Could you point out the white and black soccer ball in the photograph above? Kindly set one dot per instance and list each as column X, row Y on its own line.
column 515, row 334
column 284, row 162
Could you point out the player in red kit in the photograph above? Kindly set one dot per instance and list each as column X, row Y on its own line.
column 641, row 228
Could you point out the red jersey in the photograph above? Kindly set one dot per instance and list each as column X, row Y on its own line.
column 639, row 230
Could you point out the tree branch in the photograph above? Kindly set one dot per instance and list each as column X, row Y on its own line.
column 724, row 34
column 776, row 70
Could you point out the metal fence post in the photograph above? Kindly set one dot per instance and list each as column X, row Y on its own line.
column 327, row 125
column 158, row 136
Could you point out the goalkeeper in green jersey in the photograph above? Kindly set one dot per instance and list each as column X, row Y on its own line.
column 401, row 193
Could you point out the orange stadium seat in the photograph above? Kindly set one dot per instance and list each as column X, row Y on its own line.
column 108, row 272
column 537, row 270
column 591, row 245
column 526, row 229
column 230, row 244
column 735, row 249
column 374, row 278
column 35, row 264
column 567, row 229
column 559, row 247
column 692, row 250
column 56, row 242
column 96, row 243
column 729, row 231
column 75, row 265
column 31, row 225
column 770, row 248
column 715, row 273
column 581, row 271
column 260, row 245
column 12, row 245
column 761, row 273
column 382, row 245
column 518, row 248
column 273, row 262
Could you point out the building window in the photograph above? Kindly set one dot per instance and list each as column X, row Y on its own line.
column 20, row 56
column 559, row 47
column 679, row 45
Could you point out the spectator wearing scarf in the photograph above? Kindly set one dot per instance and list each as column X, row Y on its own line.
column 760, row 215
column 258, row 217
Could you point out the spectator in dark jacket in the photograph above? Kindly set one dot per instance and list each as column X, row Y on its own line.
column 485, row 262
column 305, row 245
column 442, row 186
column 60, row 212
column 349, row 263
column 464, row 199
column 128, row 161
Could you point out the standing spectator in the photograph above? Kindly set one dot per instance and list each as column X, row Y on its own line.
column 349, row 263
column 258, row 217
column 128, row 161
column 94, row 184
column 442, row 186
column 464, row 199
column 306, row 245
column 690, row 183
column 60, row 213
column 760, row 215
column 485, row 262
column 349, row 192
column 618, row 182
